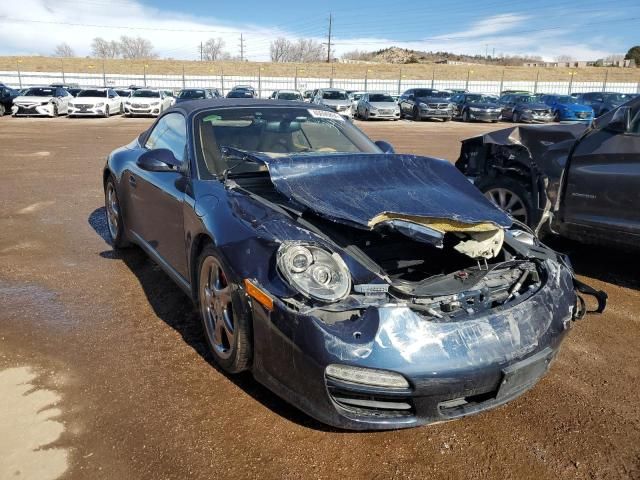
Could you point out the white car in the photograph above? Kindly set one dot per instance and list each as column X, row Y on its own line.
column 96, row 101
column 378, row 105
column 336, row 99
column 147, row 102
column 41, row 101
column 355, row 98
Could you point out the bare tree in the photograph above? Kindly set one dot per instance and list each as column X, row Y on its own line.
column 102, row 48
column 136, row 48
column 63, row 50
column 564, row 58
column 212, row 49
column 280, row 50
column 308, row 51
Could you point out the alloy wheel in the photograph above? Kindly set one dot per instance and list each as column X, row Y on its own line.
column 113, row 210
column 217, row 307
column 508, row 201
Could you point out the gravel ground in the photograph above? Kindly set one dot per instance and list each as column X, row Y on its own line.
column 139, row 398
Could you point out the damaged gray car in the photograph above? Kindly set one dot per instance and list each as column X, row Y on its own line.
column 577, row 181
column 369, row 289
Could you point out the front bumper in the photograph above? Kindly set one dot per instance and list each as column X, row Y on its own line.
column 453, row 368
column 384, row 114
column 45, row 110
column 575, row 117
column 536, row 118
column 485, row 116
column 435, row 113
column 153, row 110
column 87, row 111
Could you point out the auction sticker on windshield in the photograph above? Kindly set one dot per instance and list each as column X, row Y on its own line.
column 325, row 114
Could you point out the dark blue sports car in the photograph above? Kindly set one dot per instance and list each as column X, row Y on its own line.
column 372, row 290
column 567, row 108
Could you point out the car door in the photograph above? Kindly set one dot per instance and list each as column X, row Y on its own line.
column 404, row 102
column 602, row 182
column 157, row 197
column 508, row 105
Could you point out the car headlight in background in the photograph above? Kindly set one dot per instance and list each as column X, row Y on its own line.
column 451, row 106
column 100, row 104
column 314, row 272
column 475, row 109
column 526, row 110
column 423, row 105
column 154, row 103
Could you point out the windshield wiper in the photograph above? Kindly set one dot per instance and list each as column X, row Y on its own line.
column 242, row 156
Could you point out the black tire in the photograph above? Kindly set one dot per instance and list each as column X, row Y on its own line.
column 55, row 111
column 556, row 116
column 466, row 116
column 2, row 110
column 226, row 312
column 416, row 115
column 515, row 118
column 366, row 115
column 490, row 186
column 106, row 111
column 114, row 216
column 447, row 119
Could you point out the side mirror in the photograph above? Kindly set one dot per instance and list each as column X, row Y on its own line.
column 621, row 120
column 159, row 160
column 386, row 147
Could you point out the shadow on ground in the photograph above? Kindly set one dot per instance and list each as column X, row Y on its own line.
column 173, row 307
column 607, row 264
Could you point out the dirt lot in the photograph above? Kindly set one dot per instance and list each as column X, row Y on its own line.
column 137, row 395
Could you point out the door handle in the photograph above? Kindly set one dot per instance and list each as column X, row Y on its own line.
column 132, row 181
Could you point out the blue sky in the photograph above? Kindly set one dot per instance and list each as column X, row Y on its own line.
column 586, row 29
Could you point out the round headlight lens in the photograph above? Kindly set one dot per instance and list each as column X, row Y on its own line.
column 314, row 272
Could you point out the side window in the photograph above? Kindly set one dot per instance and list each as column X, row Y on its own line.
column 171, row 133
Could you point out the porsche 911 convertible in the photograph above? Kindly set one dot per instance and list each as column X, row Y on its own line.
column 370, row 289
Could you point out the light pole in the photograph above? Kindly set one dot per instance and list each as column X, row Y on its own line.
column 145, row 74
column 572, row 74
column 18, row 62
column 469, row 72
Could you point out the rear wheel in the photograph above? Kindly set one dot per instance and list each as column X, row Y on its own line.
column 224, row 313
column 509, row 195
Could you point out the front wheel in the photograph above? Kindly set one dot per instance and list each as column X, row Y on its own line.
column 509, row 195
column 465, row 116
column 416, row 114
column 114, row 215
column 2, row 110
column 106, row 112
column 224, row 313
column 515, row 118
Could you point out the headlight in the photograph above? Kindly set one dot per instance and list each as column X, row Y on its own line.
column 314, row 272
column 526, row 110
column 423, row 105
column 154, row 103
column 451, row 105
column 475, row 109
column 100, row 104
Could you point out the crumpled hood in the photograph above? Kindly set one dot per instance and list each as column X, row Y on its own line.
column 534, row 106
column 362, row 189
column 336, row 103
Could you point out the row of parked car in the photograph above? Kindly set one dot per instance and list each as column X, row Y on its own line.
column 416, row 103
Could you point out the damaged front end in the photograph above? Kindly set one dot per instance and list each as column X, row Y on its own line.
column 400, row 299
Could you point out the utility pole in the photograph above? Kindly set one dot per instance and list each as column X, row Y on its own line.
column 329, row 39
column 201, row 51
column 241, row 48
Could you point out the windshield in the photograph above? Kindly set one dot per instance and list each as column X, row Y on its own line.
column 123, row 93
column 425, row 93
column 289, row 96
column 146, row 94
column 617, row 97
column 380, row 97
column 481, row 99
column 334, row 95
column 92, row 93
column 527, row 99
column 192, row 94
column 40, row 92
column 274, row 131
column 566, row 99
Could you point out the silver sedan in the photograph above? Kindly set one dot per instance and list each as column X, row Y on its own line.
column 377, row 105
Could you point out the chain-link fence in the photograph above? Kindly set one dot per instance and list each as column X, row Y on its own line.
column 265, row 85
